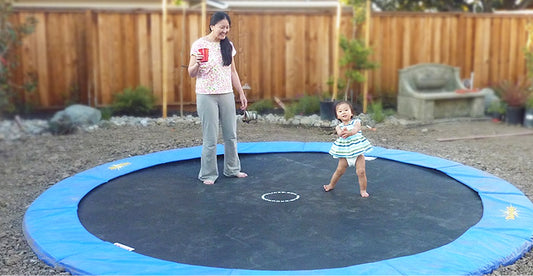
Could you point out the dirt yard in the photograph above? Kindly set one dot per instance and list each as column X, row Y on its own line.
column 31, row 165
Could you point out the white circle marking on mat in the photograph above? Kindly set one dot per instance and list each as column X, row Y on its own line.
column 265, row 196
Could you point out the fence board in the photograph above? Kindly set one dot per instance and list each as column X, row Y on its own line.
column 168, row 62
column 482, row 53
column 521, row 43
column 70, row 59
column 42, row 61
column 94, row 70
column 95, row 53
column 143, row 42
column 29, row 64
column 495, row 61
column 504, row 46
column 155, row 41
column 278, row 57
column 58, row 56
column 469, row 46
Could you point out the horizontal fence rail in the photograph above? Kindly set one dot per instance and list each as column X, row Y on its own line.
column 86, row 56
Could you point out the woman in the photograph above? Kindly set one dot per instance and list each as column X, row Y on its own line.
column 216, row 74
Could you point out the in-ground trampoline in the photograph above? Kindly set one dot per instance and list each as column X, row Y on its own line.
column 150, row 215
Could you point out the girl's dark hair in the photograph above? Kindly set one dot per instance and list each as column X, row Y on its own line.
column 225, row 46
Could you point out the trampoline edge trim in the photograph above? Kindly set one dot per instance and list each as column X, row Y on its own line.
column 498, row 194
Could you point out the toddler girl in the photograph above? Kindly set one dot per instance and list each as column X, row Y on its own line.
column 349, row 147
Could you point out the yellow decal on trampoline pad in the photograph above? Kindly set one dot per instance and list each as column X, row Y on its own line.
column 119, row 166
column 511, row 212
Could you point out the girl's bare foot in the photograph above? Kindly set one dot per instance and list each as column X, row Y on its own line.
column 241, row 175
column 209, row 182
column 327, row 188
column 364, row 194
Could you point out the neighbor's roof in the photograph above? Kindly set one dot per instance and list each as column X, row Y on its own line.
column 156, row 4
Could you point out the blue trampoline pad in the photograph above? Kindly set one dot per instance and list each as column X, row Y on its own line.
column 278, row 220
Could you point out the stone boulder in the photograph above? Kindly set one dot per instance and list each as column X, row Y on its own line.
column 68, row 120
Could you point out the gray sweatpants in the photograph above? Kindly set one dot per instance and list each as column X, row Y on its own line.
column 212, row 110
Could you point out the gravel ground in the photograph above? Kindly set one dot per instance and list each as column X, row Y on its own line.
column 33, row 163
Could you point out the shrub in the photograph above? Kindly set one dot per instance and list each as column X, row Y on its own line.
column 107, row 112
column 378, row 113
column 529, row 103
column 305, row 105
column 262, row 106
column 514, row 93
column 134, row 102
column 496, row 106
column 11, row 94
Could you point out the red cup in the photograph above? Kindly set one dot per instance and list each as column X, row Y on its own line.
column 205, row 54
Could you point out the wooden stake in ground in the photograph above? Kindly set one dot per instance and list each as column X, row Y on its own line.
column 164, row 69
column 280, row 103
column 19, row 123
column 484, row 136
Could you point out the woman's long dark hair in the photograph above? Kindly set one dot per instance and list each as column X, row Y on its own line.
column 225, row 46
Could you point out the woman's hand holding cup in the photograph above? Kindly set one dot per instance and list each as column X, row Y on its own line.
column 203, row 55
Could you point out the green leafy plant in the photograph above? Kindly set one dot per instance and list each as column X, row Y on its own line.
column 529, row 62
column 341, row 85
column 135, row 102
column 107, row 112
column 529, row 102
column 262, row 106
column 379, row 113
column 528, row 50
column 514, row 93
column 356, row 54
column 497, row 107
column 357, row 58
column 359, row 10
column 305, row 105
column 11, row 35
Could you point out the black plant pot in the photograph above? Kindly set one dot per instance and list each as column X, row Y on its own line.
column 528, row 118
column 327, row 110
column 514, row 115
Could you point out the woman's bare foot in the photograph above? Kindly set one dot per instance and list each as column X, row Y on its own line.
column 209, row 182
column 327, row 188
column 364, row 194
column 241, row 175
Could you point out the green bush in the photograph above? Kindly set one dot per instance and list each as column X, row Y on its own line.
column 529, row 103
column 496, row 106
column 107, row 112
column 11, row 35
column 262, row 106
column 305, row 105
column 378, row 113
column 134, row 102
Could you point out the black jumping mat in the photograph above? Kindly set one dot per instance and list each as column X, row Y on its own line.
column 279, row 217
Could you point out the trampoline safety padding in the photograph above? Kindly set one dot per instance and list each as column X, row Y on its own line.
column 279, row 216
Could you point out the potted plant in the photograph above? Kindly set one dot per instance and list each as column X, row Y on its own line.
column 356, row 54
column 327, row 101
column 515, row 95
column 528, row 114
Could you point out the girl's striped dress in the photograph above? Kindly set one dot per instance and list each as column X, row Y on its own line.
column 352, row 146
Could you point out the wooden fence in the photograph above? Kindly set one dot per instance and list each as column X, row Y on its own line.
column 87, row 56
